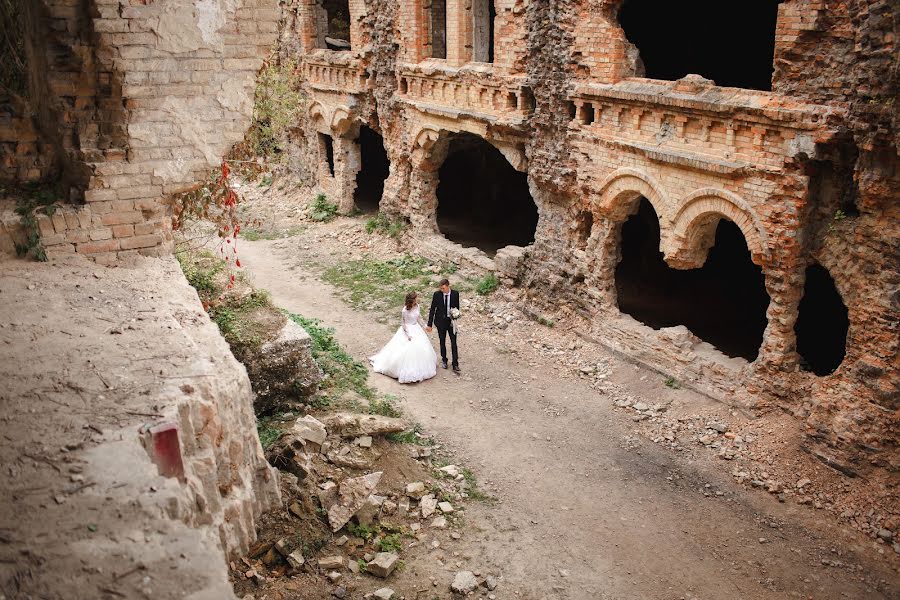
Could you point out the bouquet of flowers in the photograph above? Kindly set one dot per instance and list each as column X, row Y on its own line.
column 454, row 317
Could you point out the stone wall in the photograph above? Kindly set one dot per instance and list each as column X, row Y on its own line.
column 564, row 101
column 149, row 98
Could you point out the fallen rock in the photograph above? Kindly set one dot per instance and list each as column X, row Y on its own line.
column 491, row 583
column 289, row 453
column 464, row 582
column 352, row 494
column 383, row 593
column 356, row 425
column 331, row 563
column 415, row 490
column 445, row 507
column 285, row 546
column 309, row 429
column 364, row 441
column 295, row 559
column 439, row 523
column 383, row 564
column 427, row 505
column 370, row 509
column 451, row 470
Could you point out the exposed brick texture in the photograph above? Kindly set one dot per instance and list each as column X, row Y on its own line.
column 565, row 101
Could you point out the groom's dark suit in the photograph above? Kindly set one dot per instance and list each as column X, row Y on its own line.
column 439, row 316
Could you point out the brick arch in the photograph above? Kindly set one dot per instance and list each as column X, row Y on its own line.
column 693, row 230
column 317, row 113
column 341, row 122
column 619, row 191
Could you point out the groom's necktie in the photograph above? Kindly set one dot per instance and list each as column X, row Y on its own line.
column 447, row 303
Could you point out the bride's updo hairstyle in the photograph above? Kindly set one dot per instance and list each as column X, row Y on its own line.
column 410, row 300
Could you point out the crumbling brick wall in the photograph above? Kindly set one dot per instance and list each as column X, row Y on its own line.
column 151, row 96
column 566, row 102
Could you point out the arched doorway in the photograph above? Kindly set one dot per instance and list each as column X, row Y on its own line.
column 822, row 323
column 724, row 302
column 374, row 169
column 482, row 200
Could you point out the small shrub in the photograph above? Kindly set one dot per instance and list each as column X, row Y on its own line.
column 323, row 211
column 390, row 543
column 545, row 321
column 363, row 531
column 487, row 285
column 671, row 382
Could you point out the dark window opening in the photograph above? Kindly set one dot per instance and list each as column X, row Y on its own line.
column 822, row 323
column 573, row 110
column 483, row 14
column 404, row 86
column 374, row 169
column 724, row 302
column 334, row 24
column 326, row 151
column 482, row 201
column 438, row 28
column 587, row 113
column 732, row 43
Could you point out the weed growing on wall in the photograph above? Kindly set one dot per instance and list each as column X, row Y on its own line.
column 323, row 211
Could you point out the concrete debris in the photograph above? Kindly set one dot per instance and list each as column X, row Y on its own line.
column 369, row 510
column 491, row 582
column 445, row 507
column 439, row 523
column 295, row 559
column 383, row 593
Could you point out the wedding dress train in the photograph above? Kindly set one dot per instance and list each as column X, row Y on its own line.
column 407, row 360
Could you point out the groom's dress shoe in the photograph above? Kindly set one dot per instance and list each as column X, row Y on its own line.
column 444, row 363
column 455, row 369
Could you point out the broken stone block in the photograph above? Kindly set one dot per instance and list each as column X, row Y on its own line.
column 427, row 505
column 510, row 261
column 355, row 425
column 383, row 593
column 439, row 523
column 369, row 510
column 451, row 470
column 389, row 507
column 464, row 582
column 333, row 576
column 353, row 566
column 309, row 429
column 383, row 564
column 331, row 563
column 445, row 507
column 403, row 507
column 285, row 546
column 295, row 559
column 282, row 370
column 491, row 583
column 415, row 490
column 364, row 441
column 352, row 494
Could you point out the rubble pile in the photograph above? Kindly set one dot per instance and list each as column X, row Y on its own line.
column 351, row 521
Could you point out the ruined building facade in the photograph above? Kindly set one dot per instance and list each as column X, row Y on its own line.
column 714, row 187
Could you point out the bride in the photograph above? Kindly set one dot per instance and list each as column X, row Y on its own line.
column 409, row 356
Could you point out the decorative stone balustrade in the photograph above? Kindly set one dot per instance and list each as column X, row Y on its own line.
column 468, row 91
column 322, row 74
column 721, row 130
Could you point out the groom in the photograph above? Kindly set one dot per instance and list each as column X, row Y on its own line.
column 441, row 302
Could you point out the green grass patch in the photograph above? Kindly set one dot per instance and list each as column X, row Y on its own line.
column 379, row 285
column 380, row 223
column 269, row 430
column 671, row 382
column 342, row 372
column 323, row 211
column 411, row 436
column 390, row 543
column 472, row 489
column 487, row 285
column 384, row 406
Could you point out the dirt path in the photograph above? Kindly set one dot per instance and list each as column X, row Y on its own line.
column 587, row 509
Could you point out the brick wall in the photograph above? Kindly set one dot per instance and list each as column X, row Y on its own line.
column 160, row 93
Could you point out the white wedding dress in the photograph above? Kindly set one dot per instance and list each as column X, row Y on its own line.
column 407, row 360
